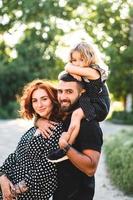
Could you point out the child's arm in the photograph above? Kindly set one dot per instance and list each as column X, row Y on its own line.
column 88, row 72
column 73, row 129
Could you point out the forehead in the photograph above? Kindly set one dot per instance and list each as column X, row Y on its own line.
column 62, row 85
column 39, row 92
column 76, row 54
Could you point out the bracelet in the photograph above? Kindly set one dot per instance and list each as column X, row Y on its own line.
column 19, row 188
column 66, row 149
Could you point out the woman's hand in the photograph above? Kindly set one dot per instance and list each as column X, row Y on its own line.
column 20, row 187
column 45, row 127
column 8, row 189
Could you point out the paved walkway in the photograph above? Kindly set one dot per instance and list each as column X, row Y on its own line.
column 11, row 131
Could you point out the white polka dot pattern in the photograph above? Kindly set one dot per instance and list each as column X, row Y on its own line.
column 29, row 163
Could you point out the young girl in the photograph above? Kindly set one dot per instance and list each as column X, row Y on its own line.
column 85, row 65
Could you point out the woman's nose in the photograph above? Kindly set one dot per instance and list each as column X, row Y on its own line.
column 39, row 104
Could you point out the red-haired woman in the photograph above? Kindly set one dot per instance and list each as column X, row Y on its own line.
column 27, row 174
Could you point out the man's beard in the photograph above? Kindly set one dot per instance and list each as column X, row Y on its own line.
column 70, row 107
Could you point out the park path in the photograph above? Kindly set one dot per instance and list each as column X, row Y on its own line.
column 11, row 131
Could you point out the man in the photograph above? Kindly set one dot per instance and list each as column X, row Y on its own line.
column 76, row 175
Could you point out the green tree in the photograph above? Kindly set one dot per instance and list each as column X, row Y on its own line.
column 107, row 22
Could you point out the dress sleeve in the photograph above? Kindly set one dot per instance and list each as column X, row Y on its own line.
column 10, row 161
column 102, row 70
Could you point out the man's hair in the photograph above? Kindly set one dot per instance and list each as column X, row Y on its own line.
column 65, row 76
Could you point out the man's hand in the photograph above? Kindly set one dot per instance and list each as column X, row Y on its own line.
column 8, row 189
column 63, row 141
column 45, row 127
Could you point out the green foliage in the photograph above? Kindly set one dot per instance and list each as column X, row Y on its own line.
column 119, row 157
column 105, row 21
column 122, row 117
column 113, row 32
column 9, row 111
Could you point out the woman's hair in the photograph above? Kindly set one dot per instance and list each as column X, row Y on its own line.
column 88, row 51
column 26, row 109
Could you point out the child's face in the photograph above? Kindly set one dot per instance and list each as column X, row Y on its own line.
column 78, row 60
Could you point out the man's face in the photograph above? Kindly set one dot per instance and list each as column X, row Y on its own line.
column 68, row 94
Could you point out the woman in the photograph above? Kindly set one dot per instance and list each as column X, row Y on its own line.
column 26, row 174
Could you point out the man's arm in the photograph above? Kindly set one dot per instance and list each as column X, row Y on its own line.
column 90, row 141
column 86, row 161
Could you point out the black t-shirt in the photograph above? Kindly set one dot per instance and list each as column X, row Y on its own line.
column 72, row 183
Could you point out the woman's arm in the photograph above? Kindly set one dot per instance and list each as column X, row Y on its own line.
column 88, row 72
column 8, row 163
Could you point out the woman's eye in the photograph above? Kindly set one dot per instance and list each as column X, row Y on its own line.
column 34, row 100
column 44, row 98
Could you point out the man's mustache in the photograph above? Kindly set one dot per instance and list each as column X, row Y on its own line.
column 64, row 101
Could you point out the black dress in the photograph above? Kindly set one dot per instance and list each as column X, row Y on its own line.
column 95, row 102
column 29, row 163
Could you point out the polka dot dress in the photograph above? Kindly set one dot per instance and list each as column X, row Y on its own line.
column 29, row 162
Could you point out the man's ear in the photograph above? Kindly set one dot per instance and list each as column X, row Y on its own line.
column 82, row 91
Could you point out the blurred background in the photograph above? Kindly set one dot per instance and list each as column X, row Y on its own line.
column 35, row 38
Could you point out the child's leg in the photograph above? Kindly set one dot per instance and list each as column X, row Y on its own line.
column 95, row 108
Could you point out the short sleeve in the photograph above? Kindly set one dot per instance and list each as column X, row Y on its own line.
column 90, row 136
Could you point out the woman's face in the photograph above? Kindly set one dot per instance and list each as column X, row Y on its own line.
column 41, row 103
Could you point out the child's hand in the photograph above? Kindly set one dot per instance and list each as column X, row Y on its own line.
column 45, row 127
column 76, row 77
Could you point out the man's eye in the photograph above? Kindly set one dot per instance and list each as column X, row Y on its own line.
column 69, row 92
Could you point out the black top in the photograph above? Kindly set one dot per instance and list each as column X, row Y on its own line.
column 72, row 183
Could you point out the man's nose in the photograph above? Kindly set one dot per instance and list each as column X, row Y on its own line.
column 63, row 96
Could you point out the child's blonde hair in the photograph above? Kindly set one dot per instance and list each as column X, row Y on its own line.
column 88, row 51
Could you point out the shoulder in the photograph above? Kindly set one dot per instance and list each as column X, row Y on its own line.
column 91, row 125
column 58, row 128
column 29, row 133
